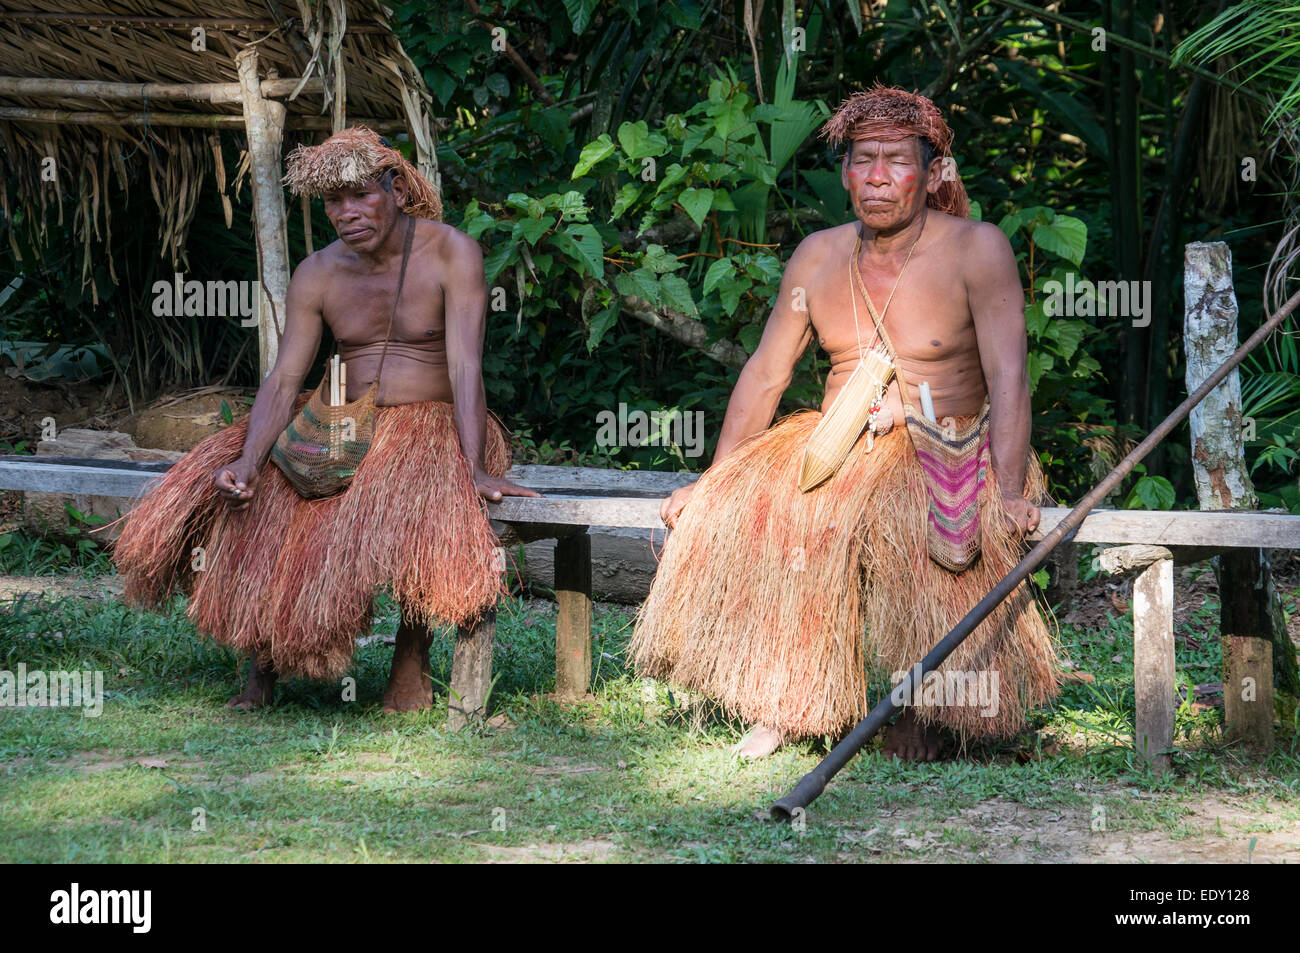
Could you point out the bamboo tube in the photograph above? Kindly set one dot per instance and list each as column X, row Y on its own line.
column 839, row 429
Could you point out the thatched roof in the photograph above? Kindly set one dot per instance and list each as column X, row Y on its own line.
column 353, row 66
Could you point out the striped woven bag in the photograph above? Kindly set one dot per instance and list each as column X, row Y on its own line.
column 954, row 464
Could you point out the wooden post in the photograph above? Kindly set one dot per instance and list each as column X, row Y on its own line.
column 1153, row 647
column 573, row 615
column 1223, row 481
column 471, row 672
column 264, row 122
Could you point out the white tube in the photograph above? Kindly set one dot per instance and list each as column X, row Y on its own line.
column 927, row 404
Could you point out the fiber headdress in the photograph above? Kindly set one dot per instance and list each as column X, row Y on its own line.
column 352, row 157
column 885, row 112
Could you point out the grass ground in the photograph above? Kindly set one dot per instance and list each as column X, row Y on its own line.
column 167, row 773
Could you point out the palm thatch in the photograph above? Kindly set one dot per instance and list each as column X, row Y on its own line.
column 120, row 91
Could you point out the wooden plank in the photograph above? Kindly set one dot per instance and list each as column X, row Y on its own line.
column 1181, row 528
column 471, row 672
column 1217, row 529
column 1245, row 628
column 637, row 482
column 31, row 473
column 573, row 616
column 578, row 510
column 1153, row 662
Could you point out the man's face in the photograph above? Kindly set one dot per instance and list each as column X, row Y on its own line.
column 364, row 216
column 886, row 181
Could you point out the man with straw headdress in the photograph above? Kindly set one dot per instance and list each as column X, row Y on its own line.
column 782, row 599
column 290, row 581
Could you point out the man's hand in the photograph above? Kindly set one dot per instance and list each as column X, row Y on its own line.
column 493, row 488
column 672, row 506
column 1022, row 514
column 237, row 483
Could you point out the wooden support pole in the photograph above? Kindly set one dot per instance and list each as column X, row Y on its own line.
column 1246, row 592
column 140, row 92
column 471, row 672
column 1153, row 662
column 264, row 120
column 1154, row 685
column 178, row 119
column 573, row 616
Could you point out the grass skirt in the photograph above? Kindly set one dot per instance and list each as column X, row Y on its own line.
column 776, row 602
column 291, row 580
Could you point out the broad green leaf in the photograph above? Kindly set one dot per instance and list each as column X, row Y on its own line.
column 1039, row 364
column 626, row 198
column 497, row 259
column 720, row 270
column 532, row 229
column 730, row 291
column 600, row 324
column 1065, row 236
column 593, row 153
column 580, row 12
column 659, row 260
column 697, row 203
column 749, row 337
column 641, row 283
column 581, row 243
column 569, row 205
column 1150, row 493
column 638, row 142
column 677, row 294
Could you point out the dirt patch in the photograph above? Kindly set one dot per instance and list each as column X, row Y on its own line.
column 587, row 851
column 563, row 766
column 99, row 760
column 179, row 422
column 53, row 588
column 1213, row 830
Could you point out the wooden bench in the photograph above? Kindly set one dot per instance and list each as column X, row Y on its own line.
column 577, row 498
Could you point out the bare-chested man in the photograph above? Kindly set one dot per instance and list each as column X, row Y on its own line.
column 778, row 653
column 293, row 579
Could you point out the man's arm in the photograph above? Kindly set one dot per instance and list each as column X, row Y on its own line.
column 464, row 291
column 768, row 371
column 273, row 406
column 997, row 304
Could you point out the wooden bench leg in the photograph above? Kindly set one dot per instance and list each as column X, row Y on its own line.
column 1153, row 662
column 471, row 672
column 1245, row 627
column 573, row 615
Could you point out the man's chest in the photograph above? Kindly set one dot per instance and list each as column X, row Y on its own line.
column 358, row 307
column 926, row 314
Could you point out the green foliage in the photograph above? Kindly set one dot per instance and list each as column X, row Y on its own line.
column 1064, row 377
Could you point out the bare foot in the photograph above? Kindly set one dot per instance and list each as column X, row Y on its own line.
column 260, row 689
column 410, row 681
column 759, row 743
column 908, row 740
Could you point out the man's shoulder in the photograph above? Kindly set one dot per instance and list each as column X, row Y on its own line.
column 816, row 246
column 445, row 242
column 978, row 235
column 318, row 264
